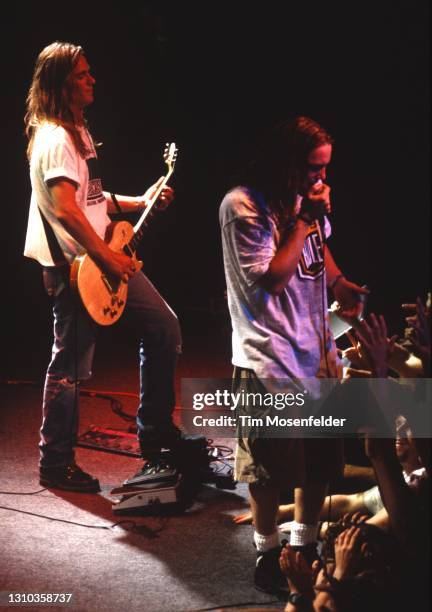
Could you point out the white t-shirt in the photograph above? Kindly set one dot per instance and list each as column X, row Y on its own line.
column 372, row 499
column 54, row 155
column 277, row 336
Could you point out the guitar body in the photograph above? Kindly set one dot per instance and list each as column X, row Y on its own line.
column 103, row 295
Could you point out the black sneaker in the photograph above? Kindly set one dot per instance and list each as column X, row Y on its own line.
column 268, row 574
column 309, row 552
column 155, row 472
column 68, row 478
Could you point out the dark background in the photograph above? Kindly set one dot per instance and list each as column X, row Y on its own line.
column 209, row 76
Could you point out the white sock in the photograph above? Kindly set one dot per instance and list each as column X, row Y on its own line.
column 302, row 534
column 266, row 542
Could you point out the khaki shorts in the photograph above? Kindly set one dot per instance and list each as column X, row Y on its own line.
column 282, row 462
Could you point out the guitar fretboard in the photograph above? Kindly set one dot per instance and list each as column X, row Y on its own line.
column 131, row 247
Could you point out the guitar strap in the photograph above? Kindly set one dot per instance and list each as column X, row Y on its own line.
column 56, row 252
column 115, row 202
column 53, row 244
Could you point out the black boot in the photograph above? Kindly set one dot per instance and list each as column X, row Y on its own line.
column 68, row 478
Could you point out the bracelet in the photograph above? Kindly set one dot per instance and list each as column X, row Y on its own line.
column 300, row 599
column 335, row 280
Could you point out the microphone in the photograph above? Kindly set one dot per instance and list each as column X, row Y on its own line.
column 317, row 188
column 313, row 209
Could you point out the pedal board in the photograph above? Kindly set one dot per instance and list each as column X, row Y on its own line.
column 110, row 441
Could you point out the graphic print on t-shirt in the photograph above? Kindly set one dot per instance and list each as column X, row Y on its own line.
column 94, row 193
column 311, row 264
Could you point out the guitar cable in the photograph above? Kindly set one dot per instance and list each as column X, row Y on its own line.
column 76, row 393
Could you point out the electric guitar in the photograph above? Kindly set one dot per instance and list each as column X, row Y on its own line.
column 104, row 295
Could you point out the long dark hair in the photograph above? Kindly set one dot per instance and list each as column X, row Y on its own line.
column 279, row 161
column 48, row 98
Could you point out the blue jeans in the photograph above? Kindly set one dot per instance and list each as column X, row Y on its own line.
column 148, row 319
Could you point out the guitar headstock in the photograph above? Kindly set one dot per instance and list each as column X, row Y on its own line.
column 170, row 155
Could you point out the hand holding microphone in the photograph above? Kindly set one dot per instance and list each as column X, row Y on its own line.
column 316, row 203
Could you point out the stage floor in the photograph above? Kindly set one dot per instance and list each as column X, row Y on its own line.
column 52, row 541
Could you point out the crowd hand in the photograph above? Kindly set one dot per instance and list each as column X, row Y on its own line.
column 355, row 355
column 350, row 306
column 376, row 345
column 316, row 203
column 296, row 570
column 354, row 373
column 245, row 518
column 399, row 356
column 359, row 365
column 361, row 368
column 120, row 265
column 165, row 198
column 347, row 553
column 419, row 329
column 320, row 574
column 356, row 518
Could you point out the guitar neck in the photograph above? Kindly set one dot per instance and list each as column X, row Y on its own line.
column 151, row 203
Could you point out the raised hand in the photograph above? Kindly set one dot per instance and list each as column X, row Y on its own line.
column 347, row 553
column 296, row 570
column 419, row 330
column 376, row 345
column 354, row 354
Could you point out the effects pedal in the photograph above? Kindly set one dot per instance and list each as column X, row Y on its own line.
column 146, row 497
column 155, row 472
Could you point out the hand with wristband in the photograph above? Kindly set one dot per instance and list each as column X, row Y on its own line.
column 299, row 577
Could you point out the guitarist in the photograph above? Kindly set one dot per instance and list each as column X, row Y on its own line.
column 68, row 216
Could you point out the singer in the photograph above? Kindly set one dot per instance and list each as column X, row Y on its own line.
column 277, row 266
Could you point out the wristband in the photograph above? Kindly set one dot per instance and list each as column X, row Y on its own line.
column 300, row 599
column 332, row 285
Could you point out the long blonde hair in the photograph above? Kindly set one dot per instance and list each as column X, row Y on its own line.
column 48, row 98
